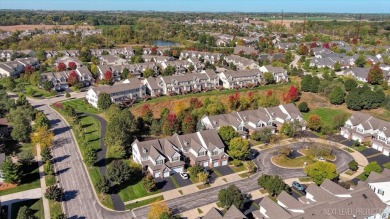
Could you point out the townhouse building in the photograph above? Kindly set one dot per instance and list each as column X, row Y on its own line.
column 242, row 78
column 163, row 157
column 362, row 127
column 249, row 121
column 121, row 91
column 329, row 200
column 279, row 73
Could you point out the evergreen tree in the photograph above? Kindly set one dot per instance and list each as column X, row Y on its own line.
column 11, row 172
column 337, row 96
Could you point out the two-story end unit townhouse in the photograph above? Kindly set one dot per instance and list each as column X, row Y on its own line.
column 246, row 122
column 238, row 79
column 167, row 156
column 362, row 127
column 279, row 73
column 380, row 184
column 129, row 89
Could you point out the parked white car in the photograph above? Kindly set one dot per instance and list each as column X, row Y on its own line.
column 184, row 175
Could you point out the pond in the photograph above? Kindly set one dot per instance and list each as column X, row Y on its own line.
column 163, row 43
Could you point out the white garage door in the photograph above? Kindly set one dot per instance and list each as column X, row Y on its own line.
column 156, row 175
column 386, row 152
column 380, row 148
column 167, row 174
column 375, row 146
column 224, row 162
column 216, row 164
column 346, row 135
column 177, row 170
column 206, row 164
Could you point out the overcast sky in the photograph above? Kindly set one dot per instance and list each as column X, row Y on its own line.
column 338, row 6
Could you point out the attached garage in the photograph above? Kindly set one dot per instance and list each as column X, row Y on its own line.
column 386, row 152
column 380, row 148
column 167, row 174
column 375, row 146
column 156, row 175
column 177, row 170
column 346, row 135
column 224, row 162
column 216, row 164
column 205, row 164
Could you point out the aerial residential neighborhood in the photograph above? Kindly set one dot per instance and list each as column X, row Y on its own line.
column 194, row 110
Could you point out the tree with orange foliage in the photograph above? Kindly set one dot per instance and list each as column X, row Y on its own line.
column 158, row 209
column 147, row 113
column 375, row 75
column 315, row 122
column 234, row 101
column 292, row 95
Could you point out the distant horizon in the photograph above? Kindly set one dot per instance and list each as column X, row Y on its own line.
column 214, row 6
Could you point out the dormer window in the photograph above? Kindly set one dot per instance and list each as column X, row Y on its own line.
column 185, row 143
column 144, row 150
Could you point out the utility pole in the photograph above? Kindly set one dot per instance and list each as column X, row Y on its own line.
column 358, row 30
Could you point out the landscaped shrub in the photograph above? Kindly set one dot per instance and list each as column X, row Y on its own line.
column 237, row 163
column 353, row 165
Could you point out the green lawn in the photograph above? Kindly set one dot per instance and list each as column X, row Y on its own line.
column 135, row 190
column 80, row 105
column 327, row 115
column 144, row 202
column 21, row 87
column 305, row 179
column 293, row 163
column 359, row 148
column 36, row 206
column 30, row 180
column 237, row 169
column 174, row 182
column 362, row 177
column 50, row 180
column 13, row 147
column 386, row 165
column 55, row 208
column 348, row 150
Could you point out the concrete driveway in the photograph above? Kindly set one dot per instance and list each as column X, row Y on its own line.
column 165, row 184
column 182, row 182
column 369, row 152
column 224, row 170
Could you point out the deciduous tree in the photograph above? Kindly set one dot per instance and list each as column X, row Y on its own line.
column 104, row 101
column 73, row 78
column 273, row 184
column 54, row 193
column 148, row 183
column 42, row 136
column 72, row 65
column 108, row 76
column 227, row 133
column 373, row 166
column 314, row 123
column 118, row 171
column 375, row 75
column 337, row 96
column 158, row 209
column 61, row 66
column 320, row 170
column 202, row 177
column 303, row 107
column 238, row 148
column 231, row 196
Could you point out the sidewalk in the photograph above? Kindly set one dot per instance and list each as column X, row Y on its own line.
column 46, row 208
column 174, row 193
column 8, row 200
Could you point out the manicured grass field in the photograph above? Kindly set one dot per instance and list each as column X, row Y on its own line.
column 50, row 180
column 55, row 208
column 144, row 202
column 305, row 179
column 348, row 150
column 36, row 206
column 327, row 115
column 30, row 180
column 81, row 106
column 293, row 163
column 135, row 190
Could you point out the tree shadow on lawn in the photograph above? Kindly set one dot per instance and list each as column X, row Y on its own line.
column 86, row 125
column 30, row 173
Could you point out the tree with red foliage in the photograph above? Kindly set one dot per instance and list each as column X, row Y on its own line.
column 326, row 45
column 355, row 41
column 269, row 93
column 188, row 124
column 73, row 78
column 28, row 69
column 108, row 76
column 313, row 45
column 72, row 65
column 292, row 95
column 61, row 66
column 147, row 113
column 234, row 101
column 195, row 103
column 170, row 124
column 375, row 75
column 153, row 50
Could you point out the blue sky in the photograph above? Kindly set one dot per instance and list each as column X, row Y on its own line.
column 338, row 6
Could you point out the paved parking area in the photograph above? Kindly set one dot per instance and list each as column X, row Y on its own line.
column 224, row 170
column 369, row 152
column 296, row 193
column 182, row 182
column 337, row 138
column 381, row 159
column 164, row 184
column 347, row 143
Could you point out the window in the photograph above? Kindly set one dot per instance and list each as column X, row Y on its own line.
column 176, row 158
column 159, row 162
column 144, row 158
column 202, row 153
column 215, row 152
column 381, row 192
